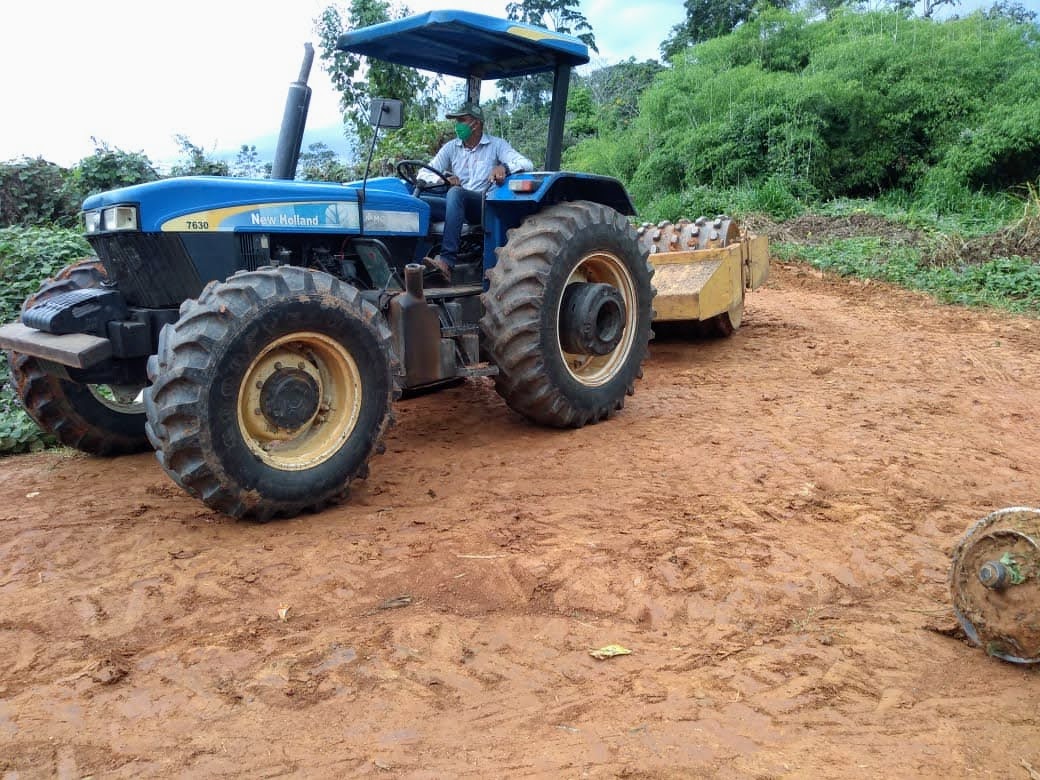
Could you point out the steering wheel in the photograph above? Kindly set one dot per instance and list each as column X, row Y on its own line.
column 409, row 171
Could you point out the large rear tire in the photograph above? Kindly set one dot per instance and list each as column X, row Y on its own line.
column 569, row 243
column 271, row 392
column 98, row 419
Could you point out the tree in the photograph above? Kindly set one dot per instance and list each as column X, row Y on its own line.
column 1009, row 9
column 358, row 79
column 559, row 16
column 854, row 105
column 108, row 168
column 616, row 89
column 36, row 192
column 320, row 163
column 198, row 163
column 707, row 19
column 247, row 163
column 927, row 6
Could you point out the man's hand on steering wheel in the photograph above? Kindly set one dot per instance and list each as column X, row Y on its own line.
column 409, row 171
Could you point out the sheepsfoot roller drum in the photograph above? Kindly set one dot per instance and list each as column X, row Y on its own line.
column 995, row 584
column 701, row 269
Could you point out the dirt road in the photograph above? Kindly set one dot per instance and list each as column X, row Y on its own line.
column 767, row 526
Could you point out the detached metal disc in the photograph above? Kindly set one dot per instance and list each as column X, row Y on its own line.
column 995, row 584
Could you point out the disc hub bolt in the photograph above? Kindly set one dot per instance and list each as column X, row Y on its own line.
column 994, row 575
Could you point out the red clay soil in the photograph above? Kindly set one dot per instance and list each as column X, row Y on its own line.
column 767, row 526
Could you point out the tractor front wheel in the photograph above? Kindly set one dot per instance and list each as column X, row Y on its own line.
column 99, row 419
column 271, row 392
column 567, row 314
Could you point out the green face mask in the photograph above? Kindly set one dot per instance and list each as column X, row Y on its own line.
column 463, row 131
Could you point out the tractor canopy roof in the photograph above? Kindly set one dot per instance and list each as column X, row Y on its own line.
column 464, row 44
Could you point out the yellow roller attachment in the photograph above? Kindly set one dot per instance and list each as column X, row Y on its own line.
column 695, row 285
column 756, row 260
column 702, row 267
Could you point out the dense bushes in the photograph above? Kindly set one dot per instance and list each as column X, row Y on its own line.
column 35, row 192
column 27, row 256
column 855, row 105
column 39, row 192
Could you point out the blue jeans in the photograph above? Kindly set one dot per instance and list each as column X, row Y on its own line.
column 460, row 205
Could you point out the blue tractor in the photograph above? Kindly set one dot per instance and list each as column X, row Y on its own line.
column 256, row 333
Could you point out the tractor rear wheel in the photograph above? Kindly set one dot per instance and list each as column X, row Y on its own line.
column 271, row 392
column 567, row 314
column 99, row 419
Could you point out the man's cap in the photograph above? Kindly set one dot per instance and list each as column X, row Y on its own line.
column 467, row 109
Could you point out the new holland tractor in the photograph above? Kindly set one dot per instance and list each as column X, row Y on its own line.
column 256, row 333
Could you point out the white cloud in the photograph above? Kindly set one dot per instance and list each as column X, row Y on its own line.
column 134, row 74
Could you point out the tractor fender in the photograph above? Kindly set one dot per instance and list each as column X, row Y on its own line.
column 524, row 194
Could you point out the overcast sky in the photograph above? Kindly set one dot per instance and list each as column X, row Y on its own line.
column 134, row 74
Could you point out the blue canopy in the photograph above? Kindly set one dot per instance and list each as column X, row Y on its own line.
column 463, row 44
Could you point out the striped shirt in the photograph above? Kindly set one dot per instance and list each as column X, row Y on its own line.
column 473, row 166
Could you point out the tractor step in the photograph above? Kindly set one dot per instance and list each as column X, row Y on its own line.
column 460, row 291
column 478, row 369
column 452, row 331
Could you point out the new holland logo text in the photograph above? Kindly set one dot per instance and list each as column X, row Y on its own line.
column 283, row 220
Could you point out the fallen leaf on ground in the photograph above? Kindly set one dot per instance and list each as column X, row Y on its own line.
column 283, row 612
column 609, row 651
column 107, row 671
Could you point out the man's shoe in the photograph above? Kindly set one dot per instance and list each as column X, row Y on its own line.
column 437, row 265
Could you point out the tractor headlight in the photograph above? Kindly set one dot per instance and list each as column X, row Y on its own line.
column 93, row 220
column 120, row 218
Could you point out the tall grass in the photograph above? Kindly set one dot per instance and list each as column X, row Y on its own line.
column 1009, row 283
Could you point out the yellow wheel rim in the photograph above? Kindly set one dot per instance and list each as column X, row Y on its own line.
column 602, row 268
column 335, row 373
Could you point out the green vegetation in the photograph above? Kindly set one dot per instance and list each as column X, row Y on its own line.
column 989, row 255
column 1011, row 283
column 856, row 105
column 28, row 255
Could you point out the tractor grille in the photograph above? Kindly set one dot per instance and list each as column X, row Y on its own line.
column 150, row 269
column 254, row 251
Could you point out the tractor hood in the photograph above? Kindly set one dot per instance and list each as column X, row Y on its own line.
column 216, row 203
column 464, row 44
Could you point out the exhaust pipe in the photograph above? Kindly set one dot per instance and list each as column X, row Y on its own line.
column 294, row 120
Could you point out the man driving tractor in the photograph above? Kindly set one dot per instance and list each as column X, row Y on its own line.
column 473, row 161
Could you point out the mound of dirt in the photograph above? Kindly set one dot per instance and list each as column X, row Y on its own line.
column 817, row 229
column 1019, row 240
